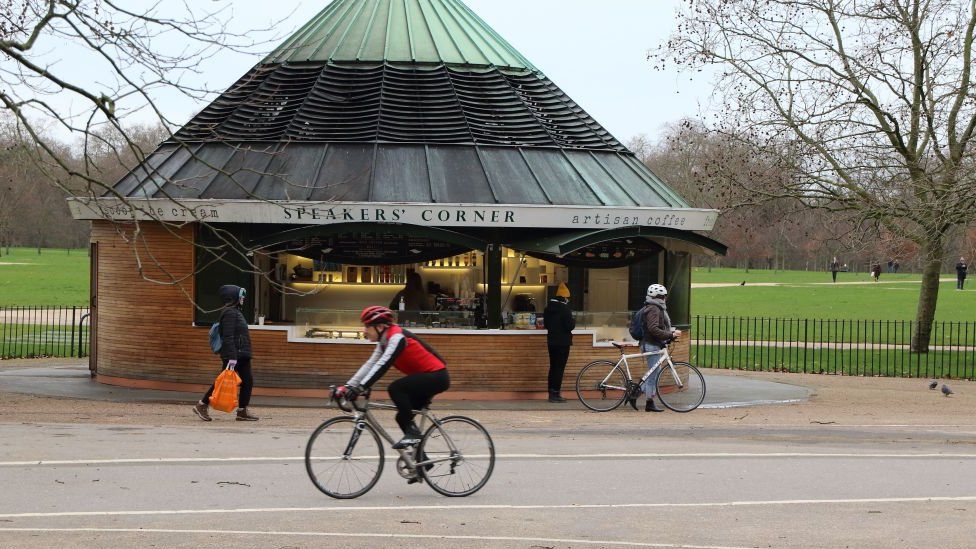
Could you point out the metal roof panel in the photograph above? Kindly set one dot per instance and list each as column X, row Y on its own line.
column 424, row 31
column 345, row 174
column 510, row 177
column 400, row 175
column 456, row 175
column 562, row 183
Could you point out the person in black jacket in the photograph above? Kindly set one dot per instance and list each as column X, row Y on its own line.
column 235, row 352
column 961, row 269
column 558, row 320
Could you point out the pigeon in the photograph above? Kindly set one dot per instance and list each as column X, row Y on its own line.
column 743, row 283
column 933, row 385
column 946, row 390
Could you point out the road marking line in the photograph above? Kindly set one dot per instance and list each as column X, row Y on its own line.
column 364, row 535
column 155, row 461
column 163, row 512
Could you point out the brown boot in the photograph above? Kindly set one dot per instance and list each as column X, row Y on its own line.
column 202, row 410
column 242, row 415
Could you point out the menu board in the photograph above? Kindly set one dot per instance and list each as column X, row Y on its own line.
column 375, row 248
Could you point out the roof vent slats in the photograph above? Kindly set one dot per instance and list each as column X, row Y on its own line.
column 369, row 102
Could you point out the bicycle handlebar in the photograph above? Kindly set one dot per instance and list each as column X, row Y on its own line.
column 349, row 404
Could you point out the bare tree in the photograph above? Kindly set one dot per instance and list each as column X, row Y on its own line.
column 124, row 47
column 641, row 145
column 135, row 53
column 869, row 103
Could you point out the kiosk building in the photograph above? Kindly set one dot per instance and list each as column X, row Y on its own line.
column 386, row 142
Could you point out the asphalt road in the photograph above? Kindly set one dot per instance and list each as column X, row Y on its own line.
column 210, row 485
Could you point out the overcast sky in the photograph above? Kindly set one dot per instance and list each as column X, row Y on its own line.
column 595, row 50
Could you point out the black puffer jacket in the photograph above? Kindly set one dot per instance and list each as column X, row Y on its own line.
column 235, row 336
column 558, row 319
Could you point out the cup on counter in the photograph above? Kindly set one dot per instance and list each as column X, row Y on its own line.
column 260, row 321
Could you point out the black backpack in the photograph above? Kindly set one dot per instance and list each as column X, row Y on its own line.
column 637, row 324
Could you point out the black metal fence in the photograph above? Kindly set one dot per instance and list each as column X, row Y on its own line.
column 29, row 332
column 850, row 347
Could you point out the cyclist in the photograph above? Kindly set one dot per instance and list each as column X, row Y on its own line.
column 658, row 332
column 426, row 372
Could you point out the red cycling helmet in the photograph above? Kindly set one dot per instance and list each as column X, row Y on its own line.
column 376, row 315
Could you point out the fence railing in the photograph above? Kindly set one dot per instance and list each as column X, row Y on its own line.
column 28, row 332
column 850, row 347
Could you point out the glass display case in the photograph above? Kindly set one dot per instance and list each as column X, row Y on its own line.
column 344, row 324
column 606, row 325
column 329, row 324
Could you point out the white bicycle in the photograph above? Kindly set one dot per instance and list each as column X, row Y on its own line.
column 603, row 385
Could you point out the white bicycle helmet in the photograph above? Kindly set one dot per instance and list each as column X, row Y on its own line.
column 656, row 290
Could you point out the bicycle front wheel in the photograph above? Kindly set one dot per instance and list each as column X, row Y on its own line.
column 601, row 386
column 456, row 456
column 681, row 388
column 344, row 457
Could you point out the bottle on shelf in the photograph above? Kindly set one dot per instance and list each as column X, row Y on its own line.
column 403, row 304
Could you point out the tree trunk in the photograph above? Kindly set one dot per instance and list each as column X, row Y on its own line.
column 928, row 296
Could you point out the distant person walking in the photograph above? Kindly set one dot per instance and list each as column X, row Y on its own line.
column 876, row 271
column 891, row 266
column 235, row 352
column 895, row 267
column 558, row 320
column 834, row 267
column 961, row 269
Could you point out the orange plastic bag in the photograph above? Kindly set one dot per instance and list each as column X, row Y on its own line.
column 224, row 397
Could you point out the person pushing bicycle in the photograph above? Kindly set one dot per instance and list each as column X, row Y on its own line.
column 658, row 333
column 426, row 371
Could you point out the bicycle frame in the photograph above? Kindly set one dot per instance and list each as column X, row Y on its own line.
column 363, row 415
column 665, row 360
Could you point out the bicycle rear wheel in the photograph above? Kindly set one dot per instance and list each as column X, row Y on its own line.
column 680, row 391
column 601, row 386
column 456, row 456
column 344, row 457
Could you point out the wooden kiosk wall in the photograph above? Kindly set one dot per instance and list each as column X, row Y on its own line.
column 146, row 338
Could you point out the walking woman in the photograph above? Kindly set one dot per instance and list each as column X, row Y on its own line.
column 235, row 351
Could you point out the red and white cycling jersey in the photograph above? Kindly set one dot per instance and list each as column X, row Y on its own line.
column 401, row 349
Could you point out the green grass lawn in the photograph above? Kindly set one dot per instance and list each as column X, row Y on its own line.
column 40, row 340
column 853, row 362
column 55, row 277
column 811, row 295
column 725, row 275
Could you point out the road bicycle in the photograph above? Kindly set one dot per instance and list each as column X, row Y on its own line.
column 344, row 456
column 603, row 385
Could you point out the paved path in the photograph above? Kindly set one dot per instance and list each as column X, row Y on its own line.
column 817, row 345
column 73, row 380
column 60, row 316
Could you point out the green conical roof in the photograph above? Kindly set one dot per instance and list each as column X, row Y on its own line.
column 413, row 31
